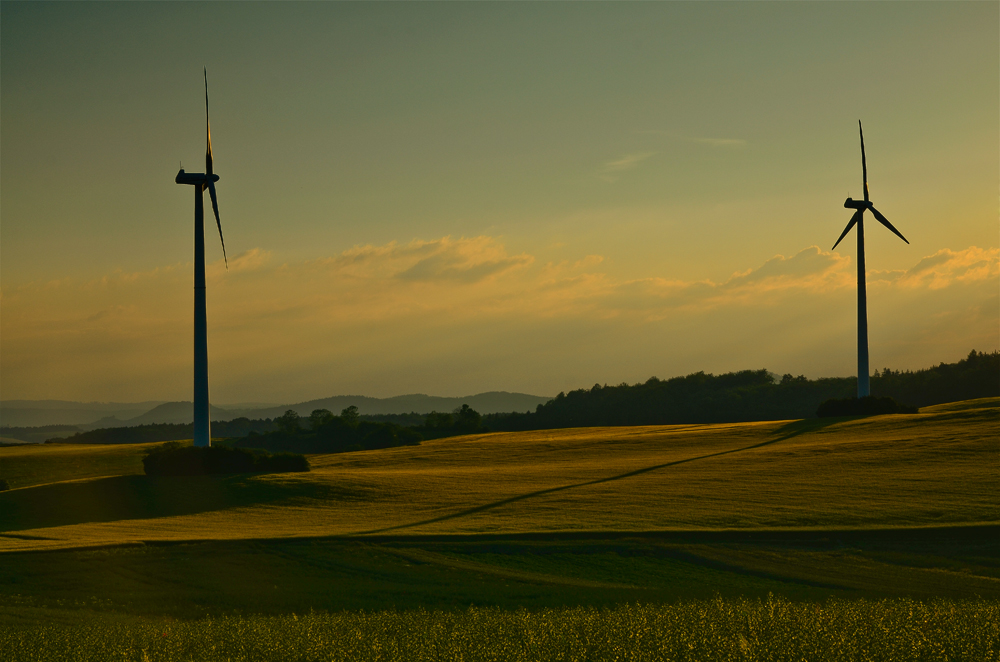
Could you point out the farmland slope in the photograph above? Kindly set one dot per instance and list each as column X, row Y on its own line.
column 939, row 467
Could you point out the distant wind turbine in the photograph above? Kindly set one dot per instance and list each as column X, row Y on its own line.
column 201, row 181
column 858, row 218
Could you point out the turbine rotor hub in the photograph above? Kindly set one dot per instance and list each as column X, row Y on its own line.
column 194, row 178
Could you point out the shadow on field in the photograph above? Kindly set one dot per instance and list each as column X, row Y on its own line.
column 139, row 497
column 551, row 570
column 795, row 428
column 791, row 430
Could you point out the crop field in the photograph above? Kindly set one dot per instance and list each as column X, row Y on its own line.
column 769, row 629
column 866, row 536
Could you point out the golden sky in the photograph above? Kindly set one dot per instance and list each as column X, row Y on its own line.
column 454, row 198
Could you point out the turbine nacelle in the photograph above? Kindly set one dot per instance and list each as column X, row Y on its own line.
column 851, row 203
column 194, row 178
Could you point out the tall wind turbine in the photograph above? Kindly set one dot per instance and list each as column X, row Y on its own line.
column 201, row 181
column 858, row 218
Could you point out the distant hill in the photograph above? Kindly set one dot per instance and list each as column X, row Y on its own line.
column 96, row 415
column 36, row 413
column 168, row 412
column 485, row 403
column 36, row 435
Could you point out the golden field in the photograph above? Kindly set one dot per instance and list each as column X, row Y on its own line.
column 939, row 467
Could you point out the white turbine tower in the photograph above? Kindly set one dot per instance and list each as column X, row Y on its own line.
column 201, row 181
column 858, row 218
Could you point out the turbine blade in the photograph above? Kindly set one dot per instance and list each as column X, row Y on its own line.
column 864, row 166
column 208, row 131
column 884, row 221
column 215, row 208
column 854, row 220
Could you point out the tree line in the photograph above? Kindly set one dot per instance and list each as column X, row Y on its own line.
column 747, row 395
column 151, row 432
column 750, row 395
column 323, row 432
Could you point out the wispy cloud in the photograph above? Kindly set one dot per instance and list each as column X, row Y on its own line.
column 612, row 169
column 255, row 258
column 626, row 162
column 728, row 143
column 461, row 260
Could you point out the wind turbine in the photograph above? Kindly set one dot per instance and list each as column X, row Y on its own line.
column 201, row 181
column 858, row 218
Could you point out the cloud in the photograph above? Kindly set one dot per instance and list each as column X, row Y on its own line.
column 460, row 260
column 945, row 268
column 466, row 276
column 808, row 271
column 610, row 170
column 255, row 258
column 626, row 162
column 408, row 309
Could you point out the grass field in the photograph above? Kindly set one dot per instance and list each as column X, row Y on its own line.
column 896, row 508
column 934, row 468
column 769, row 629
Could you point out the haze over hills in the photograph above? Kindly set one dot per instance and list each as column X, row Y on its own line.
column 490, row 402
column 25, row 413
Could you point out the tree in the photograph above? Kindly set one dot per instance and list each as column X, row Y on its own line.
column 318, row 417
column 437, row 420
column 289, row 423
column 467, row 420
column 350, row 416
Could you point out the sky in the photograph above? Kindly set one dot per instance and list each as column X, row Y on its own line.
column 451, row 198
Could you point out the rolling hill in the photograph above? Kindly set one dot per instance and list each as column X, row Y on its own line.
column 883, row 507
column 934, row 468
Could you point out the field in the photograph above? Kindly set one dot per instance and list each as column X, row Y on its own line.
column 771, row 629
column 837, row 516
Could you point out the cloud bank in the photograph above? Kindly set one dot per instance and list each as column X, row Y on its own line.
column 461, row 315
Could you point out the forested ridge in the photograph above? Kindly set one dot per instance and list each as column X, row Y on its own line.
column 748, row 395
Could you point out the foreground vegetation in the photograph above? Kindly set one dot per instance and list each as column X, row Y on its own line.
column 750, row 630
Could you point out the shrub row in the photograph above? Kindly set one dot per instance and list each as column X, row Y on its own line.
column 173, row 459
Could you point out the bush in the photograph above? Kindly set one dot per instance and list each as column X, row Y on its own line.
column 4, row 485
column 866, row 406
column 173, row 459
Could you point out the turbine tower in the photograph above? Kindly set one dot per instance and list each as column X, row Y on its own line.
column 201, row 181
column 858, row 218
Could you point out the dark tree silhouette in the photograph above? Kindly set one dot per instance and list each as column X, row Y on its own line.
column 289, row 422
